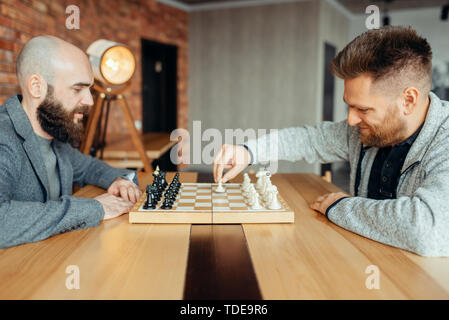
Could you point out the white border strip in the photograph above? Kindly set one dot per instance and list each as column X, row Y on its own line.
column 237, row 4
column 223, row 5
column 175, row 4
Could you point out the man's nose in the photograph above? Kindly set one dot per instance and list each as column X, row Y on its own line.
column 353, row 118
column 88, row 100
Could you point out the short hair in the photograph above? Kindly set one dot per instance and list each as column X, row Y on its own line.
column 36, row 58
column 389, row 53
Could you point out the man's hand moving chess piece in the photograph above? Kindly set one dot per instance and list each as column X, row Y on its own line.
column 395, row 126
column 233, row 158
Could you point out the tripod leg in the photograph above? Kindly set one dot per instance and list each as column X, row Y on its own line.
column 134, row 135
column 105, row 128
column 92, row 123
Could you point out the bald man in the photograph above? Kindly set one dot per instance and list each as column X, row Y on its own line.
column 38, row 163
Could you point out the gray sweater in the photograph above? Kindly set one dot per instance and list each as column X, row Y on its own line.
column 418, row 219
column 51, row 165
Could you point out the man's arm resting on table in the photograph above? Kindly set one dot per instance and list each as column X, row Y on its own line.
column 325, row 142
column 419, row 222
column 27, row 221
column 407, row 222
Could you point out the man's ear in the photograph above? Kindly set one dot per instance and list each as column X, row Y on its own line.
column 37, row 86
column 410, row 100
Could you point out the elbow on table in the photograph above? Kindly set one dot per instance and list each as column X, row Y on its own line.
column 431, row 244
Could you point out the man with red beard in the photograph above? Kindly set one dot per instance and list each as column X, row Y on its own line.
column 38, row 164
column 396, row 139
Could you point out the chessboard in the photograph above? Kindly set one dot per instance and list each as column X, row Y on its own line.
column 200, row 203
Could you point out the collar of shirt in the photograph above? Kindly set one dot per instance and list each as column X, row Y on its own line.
column 412, row 138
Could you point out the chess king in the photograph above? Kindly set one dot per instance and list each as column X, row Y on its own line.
column 38, row 165
column 396, row 139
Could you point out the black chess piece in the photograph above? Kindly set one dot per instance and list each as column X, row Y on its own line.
column 166, row 205
column 150, row 201
column 163, row 181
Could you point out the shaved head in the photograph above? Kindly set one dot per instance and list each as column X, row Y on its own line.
column 36, row 58
column 55, row 77
column 41, row 55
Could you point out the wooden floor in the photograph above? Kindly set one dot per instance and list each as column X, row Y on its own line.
column 310, row 259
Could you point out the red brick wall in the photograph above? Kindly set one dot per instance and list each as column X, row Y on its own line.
column 125, row 21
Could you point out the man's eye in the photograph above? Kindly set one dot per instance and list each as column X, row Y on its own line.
column 77, row 90
column 363, row 110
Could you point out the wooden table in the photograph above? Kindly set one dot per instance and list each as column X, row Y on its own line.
column 122, row 153
column 311, row 259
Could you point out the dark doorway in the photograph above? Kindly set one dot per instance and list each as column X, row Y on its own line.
column 328, row 93
column 159, row 94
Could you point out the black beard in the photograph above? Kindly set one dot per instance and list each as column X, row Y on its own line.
column 58, row 122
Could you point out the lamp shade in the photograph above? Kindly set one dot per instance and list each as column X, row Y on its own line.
column 112, row 62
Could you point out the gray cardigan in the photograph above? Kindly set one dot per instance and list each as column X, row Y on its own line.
column 418, row 219
column 26, row 213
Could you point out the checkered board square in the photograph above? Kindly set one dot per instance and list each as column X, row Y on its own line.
column 193, row 204
column 232, row 200
column 199, row 203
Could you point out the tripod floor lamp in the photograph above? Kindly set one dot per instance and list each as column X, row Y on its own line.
column 113, row 65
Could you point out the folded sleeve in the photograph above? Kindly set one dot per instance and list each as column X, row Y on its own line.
column 325, row 142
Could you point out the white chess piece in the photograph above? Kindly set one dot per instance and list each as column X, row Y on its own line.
column 251, row 190
column 250, row 199
column 267, row 194
column 220, row 187
column 274, row 201
column 246, row 182
column 250, row 194
column 265, row 186
column 260, row 174
column 256, row 204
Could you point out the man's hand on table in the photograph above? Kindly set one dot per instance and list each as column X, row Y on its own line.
column 113, row 206
column 323, row 202
column 121, row 196
column 125, row 189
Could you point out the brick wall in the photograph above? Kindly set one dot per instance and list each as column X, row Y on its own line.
column 125, row 21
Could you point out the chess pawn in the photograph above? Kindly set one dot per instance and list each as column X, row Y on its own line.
column 266, row 196
column 245, row 191
column 274, row 203
column 260, row 174
column 252, row 198
column 246, row 181
column 265, row 185
column 220, row 187
column 255, row 205
column 251, row 190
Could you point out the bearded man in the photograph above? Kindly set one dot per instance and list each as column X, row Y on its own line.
column 396, row 139
column 38, row 164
